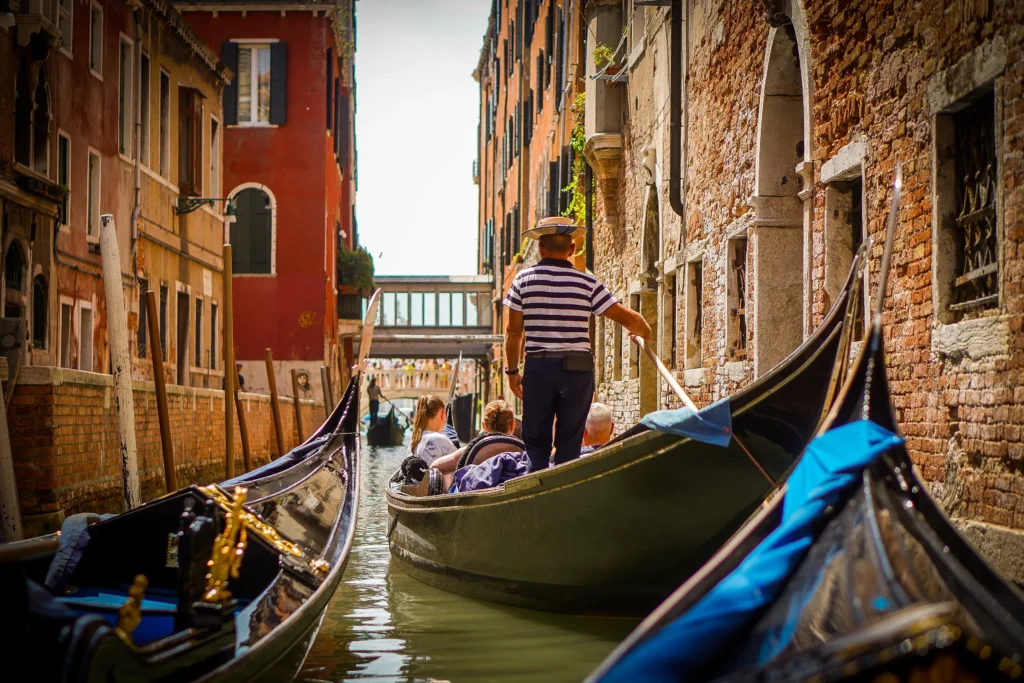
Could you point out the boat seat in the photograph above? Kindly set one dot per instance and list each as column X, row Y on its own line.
column 490, row 446
column 158, row 609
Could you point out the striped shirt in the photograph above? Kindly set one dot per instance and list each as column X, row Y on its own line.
column 556, row 301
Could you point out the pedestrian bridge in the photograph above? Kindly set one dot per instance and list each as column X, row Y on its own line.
column 428, row 316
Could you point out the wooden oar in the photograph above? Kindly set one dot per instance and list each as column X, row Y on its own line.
column 671, row 381
column 400, row 411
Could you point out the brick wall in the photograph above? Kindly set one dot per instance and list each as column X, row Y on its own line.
column 64, row 439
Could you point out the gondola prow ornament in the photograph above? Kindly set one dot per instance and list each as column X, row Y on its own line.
column 228, row 548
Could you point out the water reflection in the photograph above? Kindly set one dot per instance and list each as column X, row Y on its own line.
column 384, row 625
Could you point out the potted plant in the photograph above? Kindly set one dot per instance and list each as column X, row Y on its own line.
column 355, row 271
column 603, row 58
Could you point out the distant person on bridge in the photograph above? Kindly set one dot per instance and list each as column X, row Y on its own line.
column 373, row 393
column 551, row 303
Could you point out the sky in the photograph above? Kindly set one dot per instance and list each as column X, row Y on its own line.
column 418, row 109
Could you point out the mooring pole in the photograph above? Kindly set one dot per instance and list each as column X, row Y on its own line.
column 229, row 370
column 275, row 405
column 10, row 508
column 325, row 384
column 156, row 351
column 117, row 331
column 298, row 411
column 243, row 432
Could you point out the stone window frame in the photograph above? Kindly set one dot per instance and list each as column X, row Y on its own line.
column 84, row 305
column 848, row 163
column 689, row 308
column 617, row 350
column 975, row 74
column 730, row 296
column 62, row 301
column 96, row 32
column 949, row 91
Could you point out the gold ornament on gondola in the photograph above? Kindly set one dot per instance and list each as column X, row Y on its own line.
column 129, row 615
column 228, row 548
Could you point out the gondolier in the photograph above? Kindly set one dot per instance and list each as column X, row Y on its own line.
column 551, row 303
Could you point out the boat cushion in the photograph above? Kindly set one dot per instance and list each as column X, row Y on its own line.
column 492, row 472
column 489, row 446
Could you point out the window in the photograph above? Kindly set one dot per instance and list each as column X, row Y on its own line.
column 165, row 124
column 416, row 308
column 213, row 336
column 14, row 269
column 254, row 84
column 671, row 301
column 23, row 115
column 65, row 334
column 67, row 14
column 844, row 233
column 694, row 314
column 976, row 241
column 63, row 176
column 600, row 344
column 401, row 309
column 473, row 302
column 124, row 97
column 142, row 336
column 429, row 309
column 637, row 24
column 199, row 334
column 41, row 126
column 190, row 138
column 632, row 352
column 388, row 308
column 163, row 322
column 84, row 338
column 737, row 299
column 330, row 83
column 96, row 40
column 144, row 115
column 457, row 309
column 252, row 233
column 214, row 158
column 93, row 219
column 616, row 352
column 40, row 305
column 444, row 309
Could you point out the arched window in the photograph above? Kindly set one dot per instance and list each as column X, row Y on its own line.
column 39, row 311
column 23, row 116
column 41, row 126
column 252, row 233
column 14, row 266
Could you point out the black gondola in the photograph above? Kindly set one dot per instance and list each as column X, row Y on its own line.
column 887, row 589
column 226, row 582
column 385, row 431
column 619, row 529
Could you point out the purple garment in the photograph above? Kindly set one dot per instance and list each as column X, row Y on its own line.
column 490, row 473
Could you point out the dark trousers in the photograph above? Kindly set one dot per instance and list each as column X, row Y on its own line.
column 550, row 391
column 374, row 407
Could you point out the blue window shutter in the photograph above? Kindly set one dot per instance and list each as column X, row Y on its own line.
column 278, row 83
column 229, row 57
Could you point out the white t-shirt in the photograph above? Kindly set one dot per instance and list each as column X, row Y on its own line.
column 433, row 445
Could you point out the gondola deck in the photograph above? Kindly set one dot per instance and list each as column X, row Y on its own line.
column 618, row 530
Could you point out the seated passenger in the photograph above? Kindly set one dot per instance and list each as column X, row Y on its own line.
column 428, row 442
column 599, row 428
column 498, row 419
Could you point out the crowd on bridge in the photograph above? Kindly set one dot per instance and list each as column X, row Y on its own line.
column 429, row 373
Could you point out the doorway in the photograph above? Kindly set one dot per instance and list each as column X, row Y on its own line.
column 182, row 359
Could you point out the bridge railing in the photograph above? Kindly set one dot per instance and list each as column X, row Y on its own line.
column 421, row 380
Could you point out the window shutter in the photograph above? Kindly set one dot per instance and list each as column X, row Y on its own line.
column 278, row 82
column 337, row 117
column 229, row 57
column 330, row 81
column 553, row 189
column 343, row 132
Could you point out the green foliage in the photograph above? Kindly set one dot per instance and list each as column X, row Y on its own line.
column 355, row 268
column 577, row 209
column 603, row 55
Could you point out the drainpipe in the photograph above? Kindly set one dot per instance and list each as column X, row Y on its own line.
column 675, row 125
column 137, row 209
column 588, row 181
column 523, row 60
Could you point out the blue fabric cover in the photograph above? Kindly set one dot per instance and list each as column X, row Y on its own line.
column 711, row 425
column 490, row 473
column 828, row 468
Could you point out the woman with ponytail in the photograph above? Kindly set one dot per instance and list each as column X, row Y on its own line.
column 428, row 442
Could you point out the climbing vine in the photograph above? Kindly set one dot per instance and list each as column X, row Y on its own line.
column 577, row 209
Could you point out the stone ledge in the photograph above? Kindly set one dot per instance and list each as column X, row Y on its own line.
column 970, row 73
column 694, row 377
column 846, row 163
column 977, row 339
column 1002, row 547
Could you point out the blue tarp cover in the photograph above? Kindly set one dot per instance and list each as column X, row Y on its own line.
column 490, row 473
column 831, row 464
column 711, row 425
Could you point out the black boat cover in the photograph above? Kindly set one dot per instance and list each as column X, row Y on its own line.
column 832, row 464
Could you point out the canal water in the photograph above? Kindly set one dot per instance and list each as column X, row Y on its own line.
column 383, row 625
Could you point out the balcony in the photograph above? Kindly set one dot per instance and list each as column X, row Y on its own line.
column 350, row 307
column 476, row 172
column 37, row 16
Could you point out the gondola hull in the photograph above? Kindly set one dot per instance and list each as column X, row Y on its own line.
column 616, row 531
column 383, row 434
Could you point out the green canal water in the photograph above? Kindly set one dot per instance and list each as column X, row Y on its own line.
column 383, row 625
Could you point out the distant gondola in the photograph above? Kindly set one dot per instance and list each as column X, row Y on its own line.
column 386, row 431
column 227, row 582
column 881, row 586
column 619, row 529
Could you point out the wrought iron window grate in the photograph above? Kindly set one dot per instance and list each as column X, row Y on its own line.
column 976, row 283
column 739, row 312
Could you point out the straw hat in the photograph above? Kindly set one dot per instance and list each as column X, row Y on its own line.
column 555, row 225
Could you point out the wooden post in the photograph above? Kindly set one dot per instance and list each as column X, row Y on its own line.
column 243, row 431
column 325, row 384
column 10, row 508
column 275, row 405
column 298, row 412
column 156, row 351
column 229, row 371
column 117, row 331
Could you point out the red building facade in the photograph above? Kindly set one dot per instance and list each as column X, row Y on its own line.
column 289, row 170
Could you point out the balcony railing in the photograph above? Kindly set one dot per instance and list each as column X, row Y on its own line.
column 350, row 307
